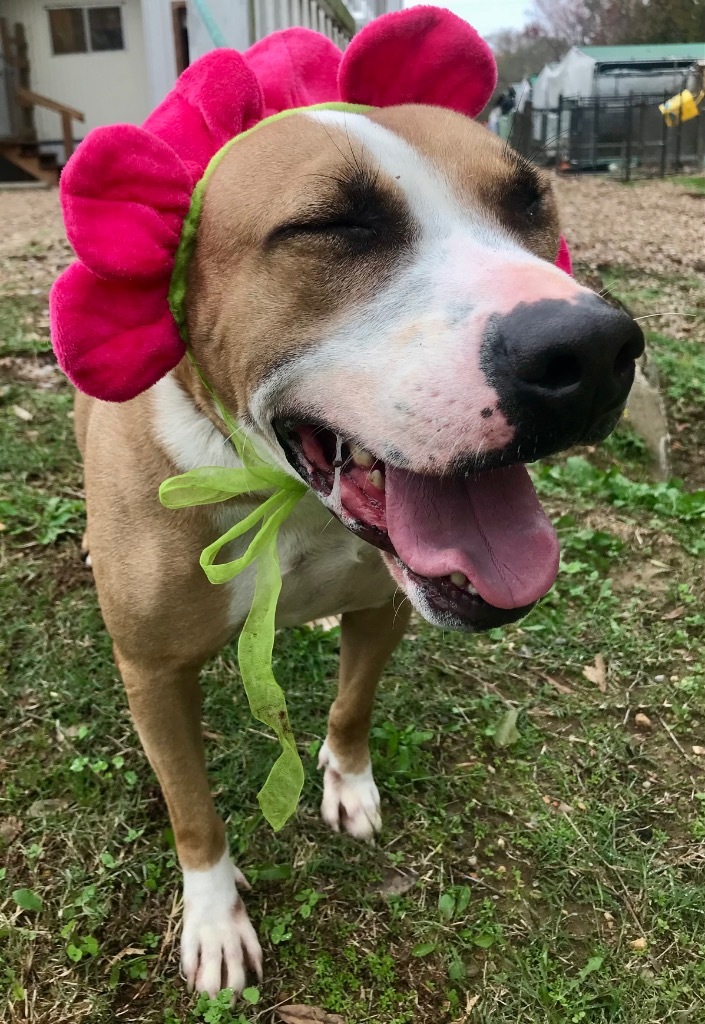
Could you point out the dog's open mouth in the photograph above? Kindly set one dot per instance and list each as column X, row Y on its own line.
column 474, row 551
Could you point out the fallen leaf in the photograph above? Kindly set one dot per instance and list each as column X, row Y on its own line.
column 396, row 883
column 40, row 808
column 298, row 1014
column 642, row 721
column 638, row 944
column 561, row 687
column 22, row 414
column 506, row 732
column 10, row 828
column 675, row 613
column 699, row 751
column 127, row 951
column 597, row 673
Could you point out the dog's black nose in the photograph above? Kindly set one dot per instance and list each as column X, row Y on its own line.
column 562, row 370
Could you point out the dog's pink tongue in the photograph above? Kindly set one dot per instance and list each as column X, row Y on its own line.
column 490, row 527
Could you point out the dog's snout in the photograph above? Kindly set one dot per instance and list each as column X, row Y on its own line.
column 584, row 352
column 564, row 366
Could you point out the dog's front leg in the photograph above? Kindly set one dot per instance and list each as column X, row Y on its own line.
column 350, row 794
column 217, row 941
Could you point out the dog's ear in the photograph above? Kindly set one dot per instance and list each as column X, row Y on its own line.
column 295, row 68
column 420, row 55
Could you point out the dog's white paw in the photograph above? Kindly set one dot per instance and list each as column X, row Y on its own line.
column 218, row 942
column 350, row 799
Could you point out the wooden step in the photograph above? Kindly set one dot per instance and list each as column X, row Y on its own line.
column 27, row 157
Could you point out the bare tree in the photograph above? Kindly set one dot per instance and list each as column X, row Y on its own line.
column 520, row 53
column 610, row 22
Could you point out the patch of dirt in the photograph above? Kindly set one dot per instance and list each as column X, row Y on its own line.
column 68, row 571
column 40, row 370
column 646, row 576
column 33, row 246
column 653, row 226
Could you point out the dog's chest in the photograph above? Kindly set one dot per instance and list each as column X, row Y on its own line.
column 325, row 570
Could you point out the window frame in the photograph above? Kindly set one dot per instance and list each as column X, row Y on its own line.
column 84, row 8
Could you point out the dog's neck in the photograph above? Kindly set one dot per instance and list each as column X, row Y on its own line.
column 187, row 422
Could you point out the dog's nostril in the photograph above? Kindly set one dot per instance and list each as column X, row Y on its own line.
column 562, row 371
column 624, row 360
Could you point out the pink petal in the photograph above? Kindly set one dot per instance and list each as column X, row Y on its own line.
column 113, row 339
column 216, row 98
column 125, row 194
column 563, row 260
column 295, row 68
column 420, row 55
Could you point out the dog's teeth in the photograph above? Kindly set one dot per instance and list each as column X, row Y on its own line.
column 376, row 478
column 362, row 458
column 459, row 579
column 471, row 590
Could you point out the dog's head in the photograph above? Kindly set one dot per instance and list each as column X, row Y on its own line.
column 374, row 297
column 371, row 291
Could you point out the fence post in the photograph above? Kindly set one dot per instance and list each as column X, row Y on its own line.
column 640, row 155
column 700, row 144
column 628, row 147
column 595, row 129
column 678, row 133
column 664, row 141
column 558, row 133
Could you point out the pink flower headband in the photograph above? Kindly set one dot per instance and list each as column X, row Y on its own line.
column 127, row 192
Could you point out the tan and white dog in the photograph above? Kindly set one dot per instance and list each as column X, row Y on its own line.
column 373, row 297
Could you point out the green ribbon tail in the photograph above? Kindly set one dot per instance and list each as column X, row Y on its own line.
column 280, row 794
column 208, row 485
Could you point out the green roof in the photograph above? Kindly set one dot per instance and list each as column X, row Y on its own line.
column 647, row 52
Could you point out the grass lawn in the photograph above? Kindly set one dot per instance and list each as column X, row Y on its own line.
column 543, row 856
column 694, row 182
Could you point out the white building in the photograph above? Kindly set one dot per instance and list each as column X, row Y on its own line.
column 112, row 62
column 612, row 71
column 115, row 60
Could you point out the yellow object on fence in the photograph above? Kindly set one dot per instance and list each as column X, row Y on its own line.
column 682, row 107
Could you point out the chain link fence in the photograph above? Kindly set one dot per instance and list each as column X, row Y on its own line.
column 626, row 136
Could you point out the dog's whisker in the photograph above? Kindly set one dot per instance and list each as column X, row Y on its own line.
column 665, row 312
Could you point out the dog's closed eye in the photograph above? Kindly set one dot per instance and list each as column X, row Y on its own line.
column 358, row 213
column 526, row 192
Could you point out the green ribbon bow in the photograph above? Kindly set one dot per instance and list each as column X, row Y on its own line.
column 208, row 485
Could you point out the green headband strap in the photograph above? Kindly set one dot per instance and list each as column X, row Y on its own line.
column 208, row 485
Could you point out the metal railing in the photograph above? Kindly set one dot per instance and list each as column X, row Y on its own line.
column 330, row 17
column 624, row 135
